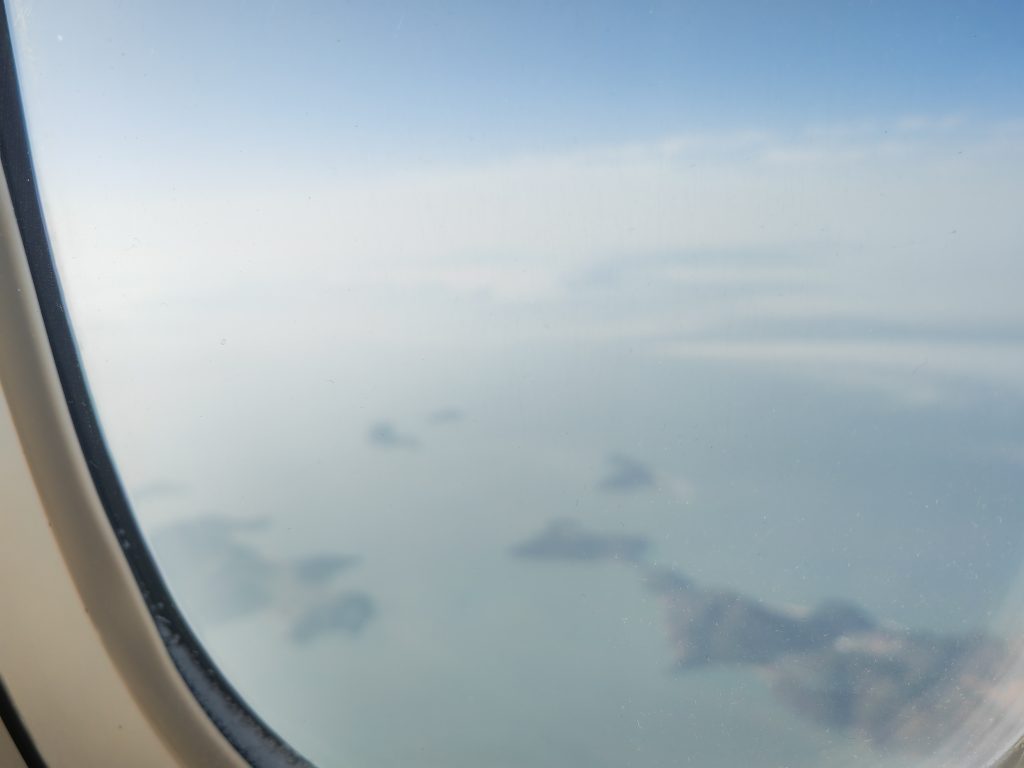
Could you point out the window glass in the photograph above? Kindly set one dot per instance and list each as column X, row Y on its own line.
column 580, row 384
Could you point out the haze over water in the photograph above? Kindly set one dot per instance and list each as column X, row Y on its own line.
column 736, row 296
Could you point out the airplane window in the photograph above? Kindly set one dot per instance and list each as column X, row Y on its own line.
column 581, row 384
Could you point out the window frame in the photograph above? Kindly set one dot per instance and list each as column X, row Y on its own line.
column 118, row 606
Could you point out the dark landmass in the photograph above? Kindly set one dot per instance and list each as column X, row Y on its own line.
column 212, row 572
column 344, row 612
column 567, row 540
column 384, row 434
column 834, row 665
column 626, row 474
column 901, row 690
column 216, row 576
column 715, row 626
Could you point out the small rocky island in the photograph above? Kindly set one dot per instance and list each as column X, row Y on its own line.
column 567, row 540
column 833, row 664
column 219, row 576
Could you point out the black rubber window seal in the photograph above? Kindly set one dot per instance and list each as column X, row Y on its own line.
column 18, row 732
column 248, row 734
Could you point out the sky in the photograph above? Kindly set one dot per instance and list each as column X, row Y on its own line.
column 318, row 83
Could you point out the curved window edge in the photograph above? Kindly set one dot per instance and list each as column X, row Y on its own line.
column 1014, row 758
column 15, row 741
column 33, row 288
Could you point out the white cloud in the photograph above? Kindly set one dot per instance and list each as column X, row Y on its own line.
column 912, row 220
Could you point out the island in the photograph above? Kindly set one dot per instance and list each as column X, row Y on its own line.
column 833, row 664
column 566, row 540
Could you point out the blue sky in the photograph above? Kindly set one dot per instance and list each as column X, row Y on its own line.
column 208, row 81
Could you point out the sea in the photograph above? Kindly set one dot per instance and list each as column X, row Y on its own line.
column 792, row 480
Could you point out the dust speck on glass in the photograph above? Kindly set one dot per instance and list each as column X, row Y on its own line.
column 554, row 385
